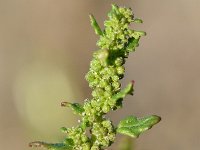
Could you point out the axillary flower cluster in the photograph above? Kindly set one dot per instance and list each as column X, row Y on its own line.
column 106, row 69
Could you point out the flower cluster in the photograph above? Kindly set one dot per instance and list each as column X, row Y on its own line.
column 106, row 69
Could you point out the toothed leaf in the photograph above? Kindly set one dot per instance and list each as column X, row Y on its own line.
column 133, row 126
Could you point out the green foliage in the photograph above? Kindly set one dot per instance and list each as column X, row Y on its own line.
column 106, row 70
column 76, row 107
column 133, row 126
column 57, row 146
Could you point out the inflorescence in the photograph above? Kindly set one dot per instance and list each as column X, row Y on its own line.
column 116, row 41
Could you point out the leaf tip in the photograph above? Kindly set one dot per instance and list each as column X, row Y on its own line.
column 64, row 104
column 156, row 118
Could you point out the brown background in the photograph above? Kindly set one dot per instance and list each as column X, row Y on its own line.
column 45, row 49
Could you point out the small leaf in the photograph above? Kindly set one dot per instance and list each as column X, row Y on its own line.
column 76, row 107
column 64, row 129
column 114, row 12
column 127, row 90
column 138, row 34
column 115, row 9
column 50, row 146
column 133, row 126
column 132, row 44
column 69, row 142
column 137, row 20
column 95, row 25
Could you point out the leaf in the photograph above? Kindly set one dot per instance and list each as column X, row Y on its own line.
column 138, row 20
column 95, row 25
column 132, row 44
column 138, row 34
column 133, row 126
column 117, row 98
column 76, row 107
column 115, row 9
column 50, row 146
column 69, row 142
column 64, row 129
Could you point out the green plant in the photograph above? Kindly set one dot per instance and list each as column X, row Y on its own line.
column 106, row 69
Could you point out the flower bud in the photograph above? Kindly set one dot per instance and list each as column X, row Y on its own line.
column 120, row 70
column 119, row 61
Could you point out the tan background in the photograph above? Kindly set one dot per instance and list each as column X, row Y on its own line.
column 45, row 49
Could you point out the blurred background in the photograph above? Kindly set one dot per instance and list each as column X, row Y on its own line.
column 45, row 50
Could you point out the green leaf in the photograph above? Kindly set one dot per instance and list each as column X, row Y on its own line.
column 132, row 44
column 50, row 146
column 64, row 129
column 95, row 25
column 133, row 126
column 115, row 9
column 138, row 34
column 137, row 20
column 117, row 98
column 76, row 107
column 114, row 12
column 69, row 142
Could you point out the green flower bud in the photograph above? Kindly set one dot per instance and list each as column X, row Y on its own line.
column 106, row 77
column 116, row 85
column 84, row 138
column 108, row 88
column 111, row 136
column 97, row 92
column 95, row 82
column 95, row 65
column 103, row 83
column 95, row 147
column 115, row 78
column 94, row 94
column 86, row 146
column 112, row 103
column 90, row 76
column 120, row 70
column 106, row 109
column 107, row 94
column 93, row 103
column 111, row 71
column 105, row 142
column 119, row 61
column 98, row 108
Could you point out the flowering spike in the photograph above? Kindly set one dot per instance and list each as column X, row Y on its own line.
column 115, row 43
